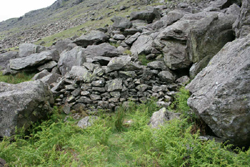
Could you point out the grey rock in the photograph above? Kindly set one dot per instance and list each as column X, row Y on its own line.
column 26, row 49
column 40, row 75
column 81, row 73
column 103, row 61
column 92, row 38
column 160, row 117
column 172, row 17
column 87, row 121
column 99, row 89
column 115, row 94
column 203, row 44
column 95, row 97
column 142, row 87
column 183, row 80
column 130, row 40
column 84, row 99
column 69, row 87
column 85, row 93
column 22, row 104
column 119, row 37
column 121, row 23
column 157, row 65
column 166, row 76
column 5, row 57
column 241, row 25
column 2, row 162
column 76, row 92
column 114, row 85
column 47, row 66
column 118, row 63
column 220, row 93
column 147, row 15
column 144, row 44
column 127, row 74
column 103, row 104
column 30, row 61
column 98, row 83
column 90, row 66
column 65, row 44
column 70, row 99
column 68, row 59
column 50, row 78
column 175, row 55
column 103, row 49
column 66, row 108
column 98, row 71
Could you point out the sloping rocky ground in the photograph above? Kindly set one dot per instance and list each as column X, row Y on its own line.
column 209, row 44
column 69, row 14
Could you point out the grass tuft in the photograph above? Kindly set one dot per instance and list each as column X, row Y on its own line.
column 15, row 79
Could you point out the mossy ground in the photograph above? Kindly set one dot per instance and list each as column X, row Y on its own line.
column 15, row 79
column 110, row 142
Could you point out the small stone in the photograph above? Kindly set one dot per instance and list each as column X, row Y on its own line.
column 115, row 94
column 95, row 97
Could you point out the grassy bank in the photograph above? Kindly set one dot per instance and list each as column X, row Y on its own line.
column 111, row 142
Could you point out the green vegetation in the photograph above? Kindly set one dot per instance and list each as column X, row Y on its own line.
column 142, row 58
column 111, row 142
column 14, row 79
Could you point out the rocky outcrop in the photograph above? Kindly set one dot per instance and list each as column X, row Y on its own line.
column 23, row 104
column 202, row 42
column 94, row 37
column 220, row 93
column 5, row 57
column 68, row 59
column 26, row 49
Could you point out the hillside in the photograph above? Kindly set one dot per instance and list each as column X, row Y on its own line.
column 69, row 18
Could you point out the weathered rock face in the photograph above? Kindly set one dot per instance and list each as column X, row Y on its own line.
column 203, row 44
column 68, row 59
column 220, row 93
column 27, row 49
column 148, row 15
column 241, row 25
column 23, row 104
column 103, row 49
column 5, row 57
column 94, row 37
column 142, row 45
column 121, row 23
column 31, row 61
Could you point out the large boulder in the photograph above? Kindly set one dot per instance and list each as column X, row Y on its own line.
column 221, row 93
column 147, row 15
column 5, row 57
column 23, row 104
column 118, row 63
column 143, row 45
column 103, row 49
column 203, row 44
column 30, row 62
column 93, row 38
column 121, row 23
column 68, row 59
column 65, row 44
column 26, row 49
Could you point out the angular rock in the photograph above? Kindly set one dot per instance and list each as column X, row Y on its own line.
column 203, row 44
column 157, row 65
column 40, row 75
column 118, row 63
column 114, row 85
column 81, row 73
column 220, row 93
column 132, row 38
column 173, row 16
column 5, row 57
column 65, row 44
column 142, row 45
column 47, row 66
column 22, row 104
column 68, row 59
column 160, row 117
column 166, row 76
column 87, row 121
column 31, row 61
column 242, row 23
column 26, row 49
column 50, row 78
column 147, row 15
column 93, row 38
column 175, row 55
column 121, row 23
column 119, row 37
column 105, row 50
